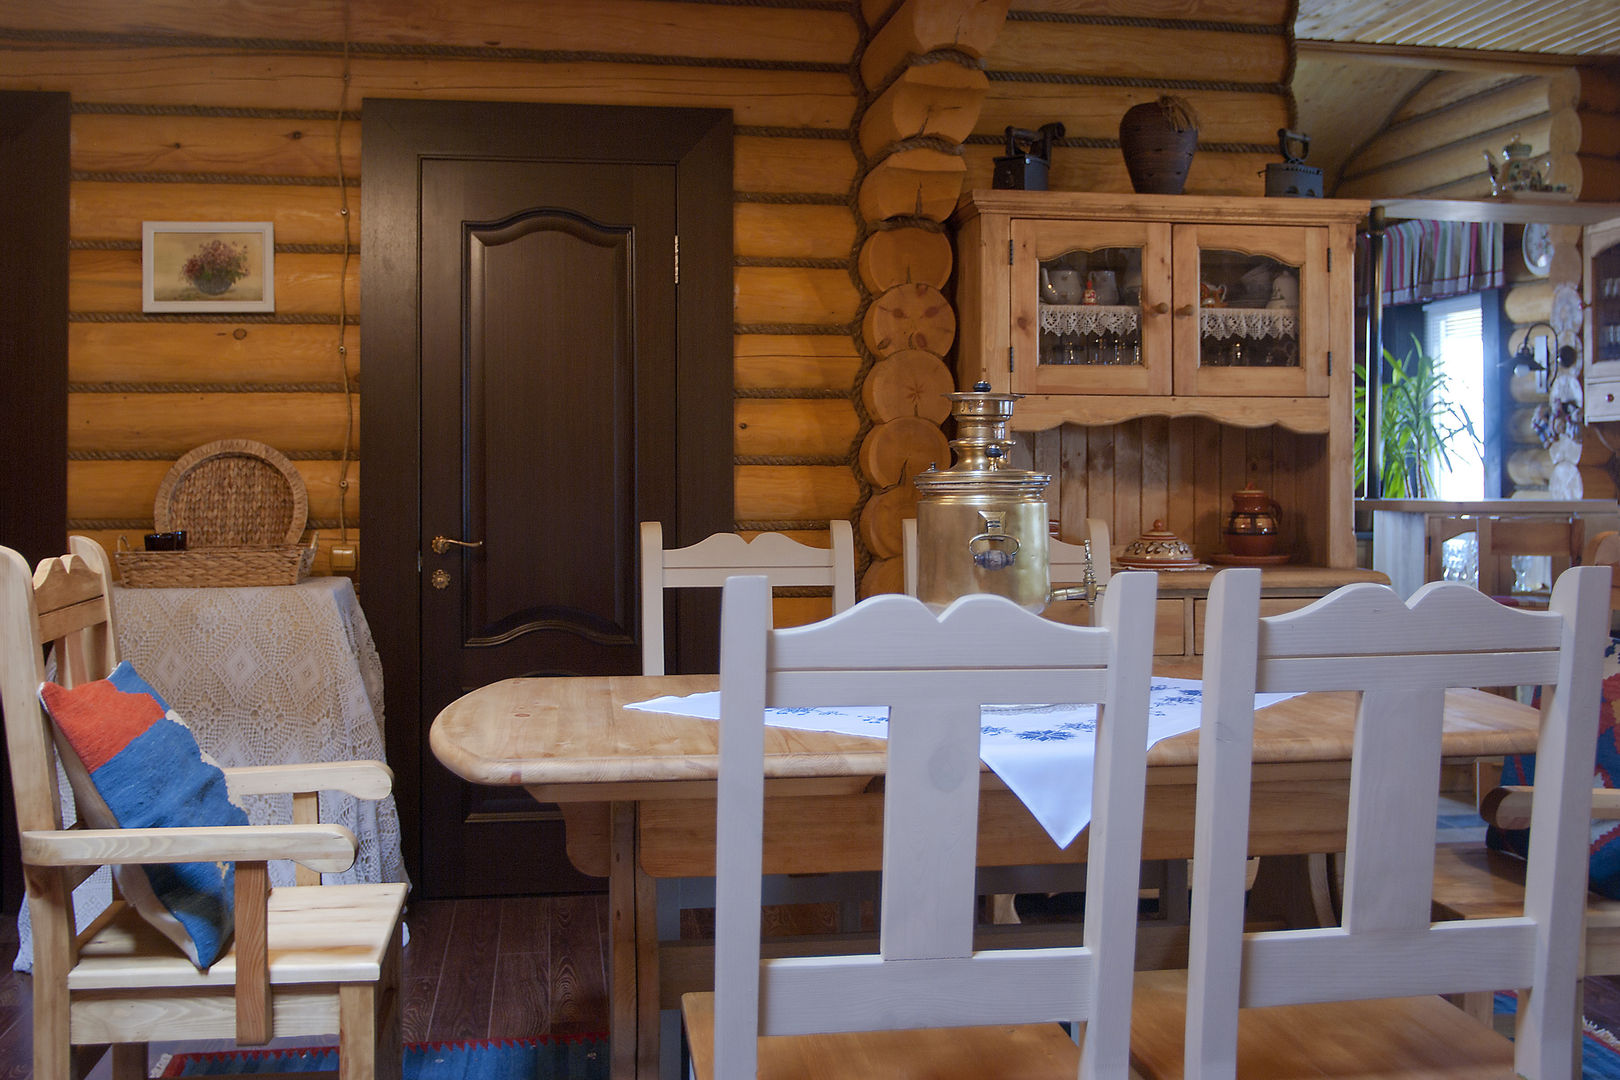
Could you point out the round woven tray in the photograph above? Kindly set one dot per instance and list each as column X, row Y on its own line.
column 233, row 493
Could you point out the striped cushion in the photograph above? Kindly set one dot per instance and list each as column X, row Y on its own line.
column 134, row 764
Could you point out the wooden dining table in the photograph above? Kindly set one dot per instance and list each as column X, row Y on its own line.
column 637, row 789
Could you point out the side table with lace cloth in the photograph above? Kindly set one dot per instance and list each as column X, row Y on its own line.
column 264, row 676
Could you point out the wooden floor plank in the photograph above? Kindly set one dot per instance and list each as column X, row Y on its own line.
column 467, row 980
column 578, row 976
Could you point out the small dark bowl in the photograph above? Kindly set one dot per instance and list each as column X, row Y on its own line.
column 166, row 541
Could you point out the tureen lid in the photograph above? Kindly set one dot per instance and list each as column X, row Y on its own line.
column 1156, row 549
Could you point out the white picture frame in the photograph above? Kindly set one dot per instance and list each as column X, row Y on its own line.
column 208, row 266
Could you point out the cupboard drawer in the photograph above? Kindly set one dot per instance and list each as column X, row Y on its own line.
column 1269, row 605
column 1603, row 397
column 1170, row 628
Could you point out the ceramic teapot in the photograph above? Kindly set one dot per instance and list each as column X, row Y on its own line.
column 1251, row 528
column 1519, row 169
column 1061, row 285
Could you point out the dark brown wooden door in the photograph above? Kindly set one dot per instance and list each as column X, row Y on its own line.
column 548, row 338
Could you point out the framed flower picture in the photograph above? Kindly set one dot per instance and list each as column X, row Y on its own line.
column 208, row 266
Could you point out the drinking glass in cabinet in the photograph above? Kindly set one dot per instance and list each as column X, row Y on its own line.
column 1090, row 307
column 1248, row 312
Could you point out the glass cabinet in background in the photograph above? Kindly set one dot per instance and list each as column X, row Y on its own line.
column 1602, row 392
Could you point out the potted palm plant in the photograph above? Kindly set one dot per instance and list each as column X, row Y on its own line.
column 1421, row 425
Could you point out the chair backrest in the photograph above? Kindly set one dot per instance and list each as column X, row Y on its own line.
column 1064, row 561
column 933, row 673
column 707, row 564
column 65, row 603
column 1402, row 657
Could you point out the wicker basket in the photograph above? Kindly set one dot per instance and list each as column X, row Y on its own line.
column 243, row 507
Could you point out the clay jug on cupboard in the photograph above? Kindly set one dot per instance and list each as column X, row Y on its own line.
column 1253, row 525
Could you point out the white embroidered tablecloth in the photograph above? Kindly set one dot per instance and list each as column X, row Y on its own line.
column 1045, row 754
column 264, row 676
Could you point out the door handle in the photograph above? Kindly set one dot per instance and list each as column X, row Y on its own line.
column 442, row 544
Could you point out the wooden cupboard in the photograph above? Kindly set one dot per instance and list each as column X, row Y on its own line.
column 1206, row 340
column 1602, row 252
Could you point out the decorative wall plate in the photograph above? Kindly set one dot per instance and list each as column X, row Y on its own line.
column 1566, row 308
column 1537, row 248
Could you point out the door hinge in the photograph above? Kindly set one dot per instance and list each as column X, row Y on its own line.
column 677, row 260
column 1009, row 359
column 1330, row 260
column 1330, row 361
column 1009, row 251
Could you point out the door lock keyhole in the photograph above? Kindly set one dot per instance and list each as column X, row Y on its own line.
column 440, row 579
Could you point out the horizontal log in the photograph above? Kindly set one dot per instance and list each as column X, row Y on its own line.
column 325, row 541
column 1515, row 102
column 126, row 489
column 238, row 145
column 891, row 257
column 772, row 295
column 1079, row 169
column 171, row 352
column 1258, row 13
column 923, row 26
column 912, row 183
column 896, row 450
column 1529, row 467
column 1596, row 178
column 789, row 611
column 1429, row 167
column 795, row 492
column 1141, row 52
column 1094, row 112
column 100, row 210
column 110, row 281
column 936, row 100
column 778, row 165
column 638, row 26
column 881, row 519
column 808, row 362
column 883, row 576
column 1599, row 132
column 1531, row 303
column 820, row 538
column 823, row 427
column 1599, row 89
column 775, row 230
column 202, row 76
column 1447, row 88
column 176, row 423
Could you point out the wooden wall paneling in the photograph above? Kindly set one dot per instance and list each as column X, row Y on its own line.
column 1128, row 478
column 1131, row 50
column 125, row 489
column 799, row 610
column 774, row 295
column 1099, row 474
column 1083, row 169
column 175, row 423
column 140, row 75
column 1180, row 477
column 1521, row 100
column 789, row 231
column 1155, row 468
column 1427, row 168
column 604, row 25
column 1070, row 471
column 794, row 492
column 806, row 362
column 780, row 165
column 110, row 281
column 1254, row 12
column 1448, row 88
column 1206, row 523
column 173, row 352
column 125, row 143
column 304, row 214
column 817, row 427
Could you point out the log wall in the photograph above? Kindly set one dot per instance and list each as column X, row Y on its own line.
column 252, row 110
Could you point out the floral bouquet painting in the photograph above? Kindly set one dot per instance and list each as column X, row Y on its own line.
column 212, row 266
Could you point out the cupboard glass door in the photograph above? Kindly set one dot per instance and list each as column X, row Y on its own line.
column 1090, row 307
column 1251, row 310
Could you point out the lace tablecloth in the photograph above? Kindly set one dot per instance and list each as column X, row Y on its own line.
column 265, row 676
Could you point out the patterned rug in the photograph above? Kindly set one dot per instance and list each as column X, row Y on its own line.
column 581, row 1057
column 1600, row 1050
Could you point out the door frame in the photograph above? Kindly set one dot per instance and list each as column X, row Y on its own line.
column 398, row 134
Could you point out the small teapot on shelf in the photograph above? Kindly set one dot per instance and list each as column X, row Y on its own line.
column 1519, row 168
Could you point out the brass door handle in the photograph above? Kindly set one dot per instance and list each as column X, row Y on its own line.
column 442, row 544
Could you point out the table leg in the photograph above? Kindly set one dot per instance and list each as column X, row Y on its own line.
column 623, row 996
column 1294, row 889
column 648, row 1018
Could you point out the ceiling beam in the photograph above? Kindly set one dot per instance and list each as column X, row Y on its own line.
column 1432, row 57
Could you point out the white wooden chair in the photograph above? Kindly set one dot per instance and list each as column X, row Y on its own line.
column 1363, row 992
column 709, row 562
column 859, row 1015
column 1064, row 561
column 317, row 960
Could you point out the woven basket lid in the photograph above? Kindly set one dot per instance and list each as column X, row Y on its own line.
column 233, row 493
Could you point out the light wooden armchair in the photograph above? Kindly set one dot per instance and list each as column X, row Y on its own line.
column 707, row 564
column 920, row 1006
column 315, row 960
column 1363, row 993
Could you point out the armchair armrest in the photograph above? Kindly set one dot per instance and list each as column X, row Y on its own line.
column 362, row 779
column 323, row 848
column 1509, row 807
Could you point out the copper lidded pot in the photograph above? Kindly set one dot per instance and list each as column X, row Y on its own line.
column 1252, row 527
column 981, row 526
